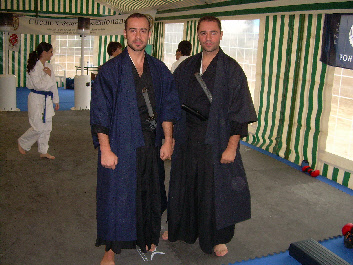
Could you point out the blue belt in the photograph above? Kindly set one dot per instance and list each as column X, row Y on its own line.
column 45, row 93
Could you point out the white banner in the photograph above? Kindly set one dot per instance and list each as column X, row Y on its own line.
column 113, row 25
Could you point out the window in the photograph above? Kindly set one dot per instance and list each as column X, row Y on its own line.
column 340, row 128
column 240, row 39
column 173, row 35
column 67, row 52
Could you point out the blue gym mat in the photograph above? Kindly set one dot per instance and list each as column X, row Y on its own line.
column 335, row 245
column 67, row 98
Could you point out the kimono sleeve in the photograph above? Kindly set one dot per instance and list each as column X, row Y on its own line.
column 241, row 108
column 171, row 108
column 101, row 108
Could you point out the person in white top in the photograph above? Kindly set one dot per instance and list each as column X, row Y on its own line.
column 185, row 48
column 44, row 92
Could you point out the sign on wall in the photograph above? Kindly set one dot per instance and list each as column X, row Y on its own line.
column 337, row 40
column 113, row 25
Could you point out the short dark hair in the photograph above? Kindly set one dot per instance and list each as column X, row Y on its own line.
column 210, row 19
column 113, row 46
column 138, row 15
column 185, row 47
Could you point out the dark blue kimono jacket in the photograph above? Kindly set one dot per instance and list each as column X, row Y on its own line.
column 231, row 102
column 114, row 110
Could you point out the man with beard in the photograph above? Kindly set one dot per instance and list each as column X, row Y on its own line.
column 133, row 106
column 208, row 189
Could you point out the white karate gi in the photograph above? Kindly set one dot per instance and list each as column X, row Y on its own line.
column 39, row 132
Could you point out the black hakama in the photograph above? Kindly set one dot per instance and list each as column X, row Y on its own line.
column 195, row 215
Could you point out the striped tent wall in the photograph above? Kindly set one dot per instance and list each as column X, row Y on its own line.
column 57, row 7
column 338, row 175
column 157, row 40
column 103, row 42
column 292, row 82
column 191, row 35
column 18, row 60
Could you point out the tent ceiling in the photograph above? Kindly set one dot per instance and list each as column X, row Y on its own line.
column 128, row 6
column 119, row 6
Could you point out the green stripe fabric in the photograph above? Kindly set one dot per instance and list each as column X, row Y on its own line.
column 57, row 7
column 289, row 113
column 127, row 6
column 157, row 40
column 293, row 101
column 291, row 96
column 277, row 82
column 346, row 178
column 18, row 60
column 269, row 82
column 298, row 154
column 338, row 175
column 103, row 42
column 288, row 72
column 211, row 5
column 191, row 35
column 189, row 13
column 255, row 138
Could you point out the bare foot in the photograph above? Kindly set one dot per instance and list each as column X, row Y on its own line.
column 220, row 250
column 165, row 235
column 49, row 156
column 22, row 151
column 153, row 248
column 108, row 258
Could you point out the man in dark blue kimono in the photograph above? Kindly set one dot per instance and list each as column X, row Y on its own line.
column 133, row 106
column 208, row 189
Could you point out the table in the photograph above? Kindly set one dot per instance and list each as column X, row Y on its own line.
column 87, row 68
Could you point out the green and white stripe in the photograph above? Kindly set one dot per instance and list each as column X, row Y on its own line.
column 131, row 5
column 191, row 35
column 18, row 60
column 103, row 42
column 340, row 176
column 90, row 8
column 157, row 40
column 292, row 80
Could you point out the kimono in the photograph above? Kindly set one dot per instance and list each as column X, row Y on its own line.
column 114, row 111
column 231, row 103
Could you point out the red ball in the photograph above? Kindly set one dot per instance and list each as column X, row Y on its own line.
column 315, row 173
column 305, row 168
column 347, row 228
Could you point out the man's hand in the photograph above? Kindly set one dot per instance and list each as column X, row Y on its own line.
column 57, row 106
column 168, row 146
column 228, row 156
column 109, row 159
column 167, row 149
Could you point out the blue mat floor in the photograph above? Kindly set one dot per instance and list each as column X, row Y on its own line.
column 335, row 245
column 67, row 101
column 67, row 98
